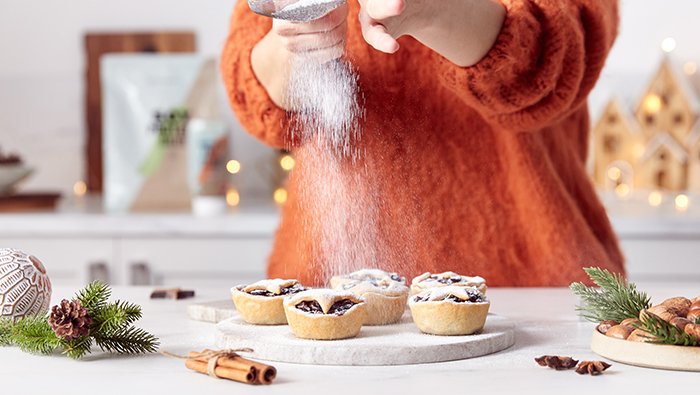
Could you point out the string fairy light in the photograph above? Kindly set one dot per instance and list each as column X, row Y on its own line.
column 668, row 44
column 280, row 196
column 287, row 162
column 682, row 202
column 655, row 198
column 652, row 104
column 622, row 190
column 614, row 173
column 233, row 166
column 233, row 197
column 80, row 188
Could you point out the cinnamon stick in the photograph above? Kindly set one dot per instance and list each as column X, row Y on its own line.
column 226, row 362
column 264, row 373
column 242, row 376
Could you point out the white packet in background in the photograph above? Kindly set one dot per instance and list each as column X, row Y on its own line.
column 144, row 122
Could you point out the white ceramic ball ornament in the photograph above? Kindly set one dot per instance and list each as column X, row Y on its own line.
column 25, row 288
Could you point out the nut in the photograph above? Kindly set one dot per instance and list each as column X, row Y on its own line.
column 630, row 323
column 604, row 326
column 619, row 332
column 678, row 306
column 639, row 335
column 660, row 311
column 694, row 306
column 693, row 330
column 694, row 315
column 680, row 322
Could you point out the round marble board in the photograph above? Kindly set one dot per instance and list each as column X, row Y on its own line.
column 657, row 356
column 398, row 344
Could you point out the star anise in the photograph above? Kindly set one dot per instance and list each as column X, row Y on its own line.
column 556, row 362
column 593, row 368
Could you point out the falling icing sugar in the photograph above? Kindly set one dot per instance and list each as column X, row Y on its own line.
column 325, row 99
column 335, row 187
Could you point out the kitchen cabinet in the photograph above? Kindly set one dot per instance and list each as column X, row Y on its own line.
column 69, row 260
column 180, row 249
column 192, row 261
column 165, row 249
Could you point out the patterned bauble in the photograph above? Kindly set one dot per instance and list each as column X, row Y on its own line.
column 25, row 288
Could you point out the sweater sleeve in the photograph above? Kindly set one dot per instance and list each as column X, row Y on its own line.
column 256, row 111
column 543, row 64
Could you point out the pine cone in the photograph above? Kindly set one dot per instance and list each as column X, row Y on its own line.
column 556, row 362
column 593, row 368
column 70, row 320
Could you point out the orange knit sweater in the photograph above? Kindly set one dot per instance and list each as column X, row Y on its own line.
column 481, row 168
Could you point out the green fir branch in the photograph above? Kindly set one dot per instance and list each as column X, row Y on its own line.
column 114, row 316
column 78, row 348
column 616, row 299
column 94, row 296
column 127, row 341
column 5, row 332
column 34, row 335
column 111, row 328
column 663, row 332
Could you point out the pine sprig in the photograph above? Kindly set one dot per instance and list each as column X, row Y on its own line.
column 116, row 315
column 129, row 340
column 78, row 348
column 5, row 332
column 34, row 335
column 616, row 299
column 112, row 328
column 94, row 296
column 663, row 332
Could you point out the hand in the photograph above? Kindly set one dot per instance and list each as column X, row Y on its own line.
column 322, row 40
column 383, row 21
column 462, row 31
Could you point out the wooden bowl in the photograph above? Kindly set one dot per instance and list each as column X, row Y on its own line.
column 648, row 355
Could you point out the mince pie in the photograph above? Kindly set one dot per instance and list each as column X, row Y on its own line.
column 367, row 274
column 261, row 303
column 430, row 280
column 325, row 314
column 385, row 297
column 449, row 310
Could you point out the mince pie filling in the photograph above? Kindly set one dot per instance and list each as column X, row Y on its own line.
column 338, row 308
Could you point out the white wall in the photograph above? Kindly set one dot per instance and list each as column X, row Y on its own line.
column 41, row 66
column 41, row 74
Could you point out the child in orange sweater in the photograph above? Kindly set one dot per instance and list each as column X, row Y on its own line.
column 490, row 95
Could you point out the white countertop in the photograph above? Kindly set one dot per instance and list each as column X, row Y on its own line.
column 545, row 324
column 261, row 221
column 253, row 221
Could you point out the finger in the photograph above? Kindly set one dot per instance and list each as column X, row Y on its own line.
column 324, row 24
column 314, row 41
column 383, row 9
column 377, row 36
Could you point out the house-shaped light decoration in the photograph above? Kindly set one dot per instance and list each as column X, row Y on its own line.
column 657, row 145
